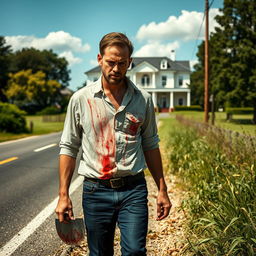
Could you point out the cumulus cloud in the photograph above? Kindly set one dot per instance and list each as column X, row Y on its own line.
column 94, row 62
column 70, row 58
column 184, row 27
column 59, row 41
column 193, row 63
column 156, row 49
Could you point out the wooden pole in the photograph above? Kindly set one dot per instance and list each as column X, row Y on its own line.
column 206, row 65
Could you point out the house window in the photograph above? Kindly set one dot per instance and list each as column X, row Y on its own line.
column 145, row 80
column 163, row 64
column 180, row 80
column 180, row 102
column 164, row 80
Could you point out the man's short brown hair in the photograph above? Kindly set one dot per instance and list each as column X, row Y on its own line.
column 115, row 38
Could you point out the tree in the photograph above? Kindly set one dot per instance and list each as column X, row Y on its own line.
column 233, row 55
column 26, row 88
column 54, row 67
column 5, row 51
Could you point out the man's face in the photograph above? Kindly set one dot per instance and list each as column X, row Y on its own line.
column 114, row 64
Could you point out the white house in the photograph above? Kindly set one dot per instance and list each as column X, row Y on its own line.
column 166, row 80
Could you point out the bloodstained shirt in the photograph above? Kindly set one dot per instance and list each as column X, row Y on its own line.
column 112, row 141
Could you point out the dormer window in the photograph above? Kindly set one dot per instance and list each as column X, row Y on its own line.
column 145, row 80
column 163, row 64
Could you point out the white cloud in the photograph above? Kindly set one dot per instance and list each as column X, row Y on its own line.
column 59, row 41
column 184, row 27
column 70, row 58
column 193, row 63
column 156, row 49
column 94, row 62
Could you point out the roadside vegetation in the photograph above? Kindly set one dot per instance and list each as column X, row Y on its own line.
column 242, row 123
column 217, row 169
column 53, row 124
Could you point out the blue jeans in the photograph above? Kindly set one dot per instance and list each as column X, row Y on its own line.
column 104, row 207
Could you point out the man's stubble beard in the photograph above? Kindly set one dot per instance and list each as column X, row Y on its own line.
column 113, row 81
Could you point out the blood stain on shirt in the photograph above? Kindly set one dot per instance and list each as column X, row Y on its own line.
column 105, row 139
column 134, row 124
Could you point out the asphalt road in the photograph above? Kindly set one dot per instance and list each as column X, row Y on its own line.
column 29, row 182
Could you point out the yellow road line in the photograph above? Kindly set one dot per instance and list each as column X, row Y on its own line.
column 8, row 160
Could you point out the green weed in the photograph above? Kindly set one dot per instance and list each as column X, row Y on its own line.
column 218, row 170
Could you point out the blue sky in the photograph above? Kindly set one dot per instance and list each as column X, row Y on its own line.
column 73, row 29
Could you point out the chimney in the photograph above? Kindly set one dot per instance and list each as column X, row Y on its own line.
column 173, row 57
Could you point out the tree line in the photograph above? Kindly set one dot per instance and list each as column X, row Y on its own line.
column 32, row 79
column 232, row 58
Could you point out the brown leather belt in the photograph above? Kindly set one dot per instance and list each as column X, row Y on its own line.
column 118, row 182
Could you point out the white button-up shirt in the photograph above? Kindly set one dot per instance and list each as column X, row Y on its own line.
column 112, row 140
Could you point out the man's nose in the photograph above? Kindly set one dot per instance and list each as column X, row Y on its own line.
column 116, row 67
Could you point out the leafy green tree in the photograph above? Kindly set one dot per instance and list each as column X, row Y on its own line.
column 26, row 88
column 233, row 56
column 5, row 51
column 54, row 67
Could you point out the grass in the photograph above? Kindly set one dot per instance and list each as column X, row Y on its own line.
column 219, row 174
column 240, row 123
column 39, row 127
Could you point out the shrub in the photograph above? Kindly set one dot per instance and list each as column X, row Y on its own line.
column 239, row 111
column 49, row 111
column 12, row 118
column 188, row 108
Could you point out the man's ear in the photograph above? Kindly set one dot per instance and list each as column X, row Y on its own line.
column 99, row 58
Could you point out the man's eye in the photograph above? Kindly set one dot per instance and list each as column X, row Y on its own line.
column 111, row 63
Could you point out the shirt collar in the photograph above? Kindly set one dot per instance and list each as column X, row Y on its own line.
column 97, row 88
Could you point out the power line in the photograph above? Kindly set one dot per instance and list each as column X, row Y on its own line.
column 198, row 36
column 200, row 30
column 211, row 4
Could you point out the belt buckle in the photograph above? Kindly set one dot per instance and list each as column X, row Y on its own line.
column 116, row 183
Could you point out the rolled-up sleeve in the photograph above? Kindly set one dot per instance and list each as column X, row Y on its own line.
column 150, row 139
column 72, row 132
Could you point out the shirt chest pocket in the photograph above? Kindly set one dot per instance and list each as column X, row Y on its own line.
column 132, row 123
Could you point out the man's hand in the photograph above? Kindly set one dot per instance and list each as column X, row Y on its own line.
column 64, row 209
column 163, row 205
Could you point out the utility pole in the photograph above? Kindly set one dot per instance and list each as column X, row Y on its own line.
column 206, row 64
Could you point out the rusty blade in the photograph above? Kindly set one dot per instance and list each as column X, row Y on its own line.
column 71, row 232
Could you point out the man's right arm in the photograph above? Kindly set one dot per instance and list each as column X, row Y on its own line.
column 66, row 170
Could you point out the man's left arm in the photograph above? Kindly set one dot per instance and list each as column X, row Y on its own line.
column 154, row 163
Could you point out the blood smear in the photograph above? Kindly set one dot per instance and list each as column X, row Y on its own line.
column 105, row 138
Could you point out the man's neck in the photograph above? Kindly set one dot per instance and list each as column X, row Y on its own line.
column 115, row 92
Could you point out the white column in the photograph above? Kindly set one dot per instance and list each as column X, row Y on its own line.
column 171, row 100
column 134, row 78
column 154, row 80
column 188, row 99
column 154, row 98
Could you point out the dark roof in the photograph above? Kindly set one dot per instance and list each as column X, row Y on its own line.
column 178, row 65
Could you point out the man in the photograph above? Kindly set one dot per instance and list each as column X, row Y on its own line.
column 114, row 123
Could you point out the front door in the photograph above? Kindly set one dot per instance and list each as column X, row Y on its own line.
column 163, row 102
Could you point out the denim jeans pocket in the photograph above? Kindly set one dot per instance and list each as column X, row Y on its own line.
column 90, row 187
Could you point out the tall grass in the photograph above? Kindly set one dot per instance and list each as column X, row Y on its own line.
column 219, row 172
